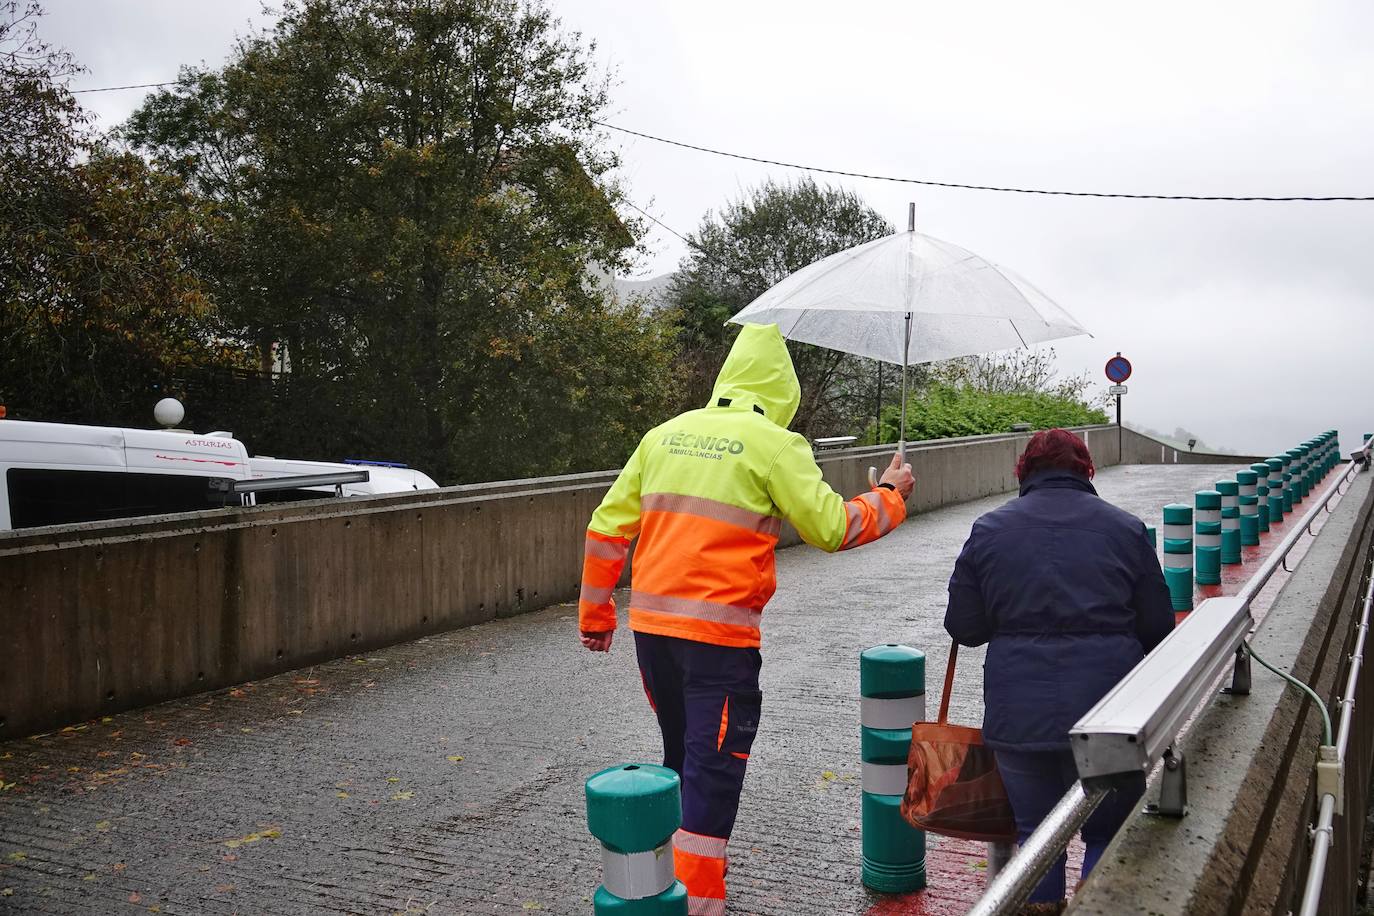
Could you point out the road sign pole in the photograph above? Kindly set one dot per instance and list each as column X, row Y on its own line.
column 1118, row 429
column 1118, row 370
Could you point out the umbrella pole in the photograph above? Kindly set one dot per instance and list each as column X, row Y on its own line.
column 906, row 349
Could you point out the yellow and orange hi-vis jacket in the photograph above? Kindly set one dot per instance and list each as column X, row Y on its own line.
column 706, row 494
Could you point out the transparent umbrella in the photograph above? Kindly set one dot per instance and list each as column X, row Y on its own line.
column 910, row 298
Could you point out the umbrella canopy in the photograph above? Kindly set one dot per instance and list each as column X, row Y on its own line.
column 858, row 301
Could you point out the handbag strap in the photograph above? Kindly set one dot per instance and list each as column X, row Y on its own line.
column 949, row 684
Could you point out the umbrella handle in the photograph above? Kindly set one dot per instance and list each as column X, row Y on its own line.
column 873, row 472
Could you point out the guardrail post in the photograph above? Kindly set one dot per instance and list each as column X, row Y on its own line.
column 892, row 688
column 1230, row 521
column 1261, row 497
column 1178, row 555
column 1248, row 482
column 634, row 810
column 1207, row 537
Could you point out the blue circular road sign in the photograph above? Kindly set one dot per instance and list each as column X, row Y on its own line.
column 1118, row 368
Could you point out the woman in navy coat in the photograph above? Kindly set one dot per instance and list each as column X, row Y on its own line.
column 1068, row 593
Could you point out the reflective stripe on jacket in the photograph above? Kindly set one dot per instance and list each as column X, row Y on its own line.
column 706, row 494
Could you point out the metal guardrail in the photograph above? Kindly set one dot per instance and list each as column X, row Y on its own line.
column 1139, row 722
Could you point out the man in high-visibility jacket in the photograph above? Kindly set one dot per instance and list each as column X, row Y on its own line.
column 706, row 494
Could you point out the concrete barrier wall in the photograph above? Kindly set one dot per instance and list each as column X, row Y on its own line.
column 112, row 615
column 1244, row 846
column 1137, row 448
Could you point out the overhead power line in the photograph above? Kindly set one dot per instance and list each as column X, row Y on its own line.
column 983, row 187
column 845, row 173
column 117, row 88
column 661, row 223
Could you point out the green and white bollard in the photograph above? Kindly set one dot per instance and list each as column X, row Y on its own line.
column 634, row 810
column 1207, row 537
column 1289, row 497
column 1178, row 555
column 892, row 696
column 1308, row 480
column 1249, row 507
column 1261, row 496
column 1275, row 490
column 1295, row 471
column 1152, row 535
column 1230, row 521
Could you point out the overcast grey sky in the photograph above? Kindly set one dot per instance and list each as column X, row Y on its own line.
column 1247, row 322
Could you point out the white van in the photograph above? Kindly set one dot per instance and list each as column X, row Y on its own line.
column 59, row 473
column 384, row 477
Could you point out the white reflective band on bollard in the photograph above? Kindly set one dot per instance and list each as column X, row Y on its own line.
column 885, row 778
column 1178, row 532
column 1208, row 540
column 1178, row 560
column 635, row 875
column 892, row 713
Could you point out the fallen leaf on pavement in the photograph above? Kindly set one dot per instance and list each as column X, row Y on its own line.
column 403, row 796
column 455, row 758
column 135, row 898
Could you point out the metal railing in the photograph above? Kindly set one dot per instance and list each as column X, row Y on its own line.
column 1322, row 838
column 1139, row 722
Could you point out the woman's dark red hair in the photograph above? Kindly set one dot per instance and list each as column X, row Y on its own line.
column 1055, row 449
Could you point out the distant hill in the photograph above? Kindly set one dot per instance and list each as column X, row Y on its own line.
column 654, row 290
column 1179, row 440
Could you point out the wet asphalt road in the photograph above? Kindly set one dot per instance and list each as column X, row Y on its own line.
column 445, row 775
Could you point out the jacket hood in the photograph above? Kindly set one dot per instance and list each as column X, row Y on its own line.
column 758, row 372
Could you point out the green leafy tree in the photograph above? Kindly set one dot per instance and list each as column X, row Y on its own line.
column 99, row 305
column 736, row 255
column 413, row 206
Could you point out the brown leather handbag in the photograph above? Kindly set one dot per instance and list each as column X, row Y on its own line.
column 953, row 787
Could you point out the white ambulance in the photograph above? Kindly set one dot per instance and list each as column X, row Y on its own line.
column 60, row 473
